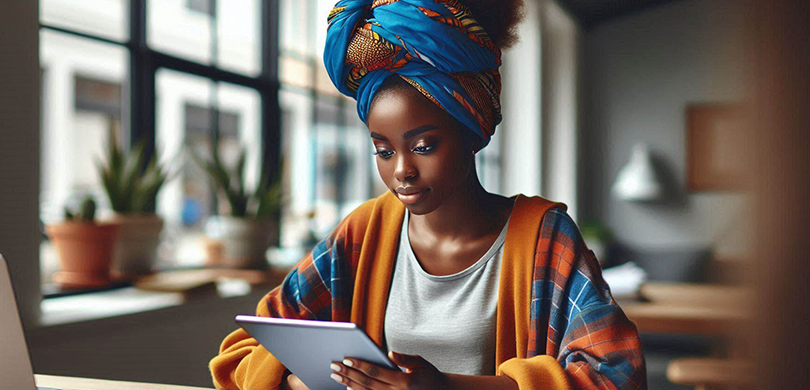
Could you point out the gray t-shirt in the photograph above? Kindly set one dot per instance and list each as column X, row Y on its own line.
column 448, row 320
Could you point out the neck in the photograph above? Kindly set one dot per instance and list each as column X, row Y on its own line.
column 469, row 212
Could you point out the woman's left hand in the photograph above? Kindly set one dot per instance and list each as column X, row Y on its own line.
column 361, row 375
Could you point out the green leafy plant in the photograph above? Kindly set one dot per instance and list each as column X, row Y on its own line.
column 131, row 187
column 594, row 230
column 86, row 212
column 263, row 201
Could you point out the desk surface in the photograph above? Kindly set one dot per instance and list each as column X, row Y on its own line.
column 69, row 383
column 689, row 308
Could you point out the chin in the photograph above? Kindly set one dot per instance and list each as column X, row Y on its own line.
column 425, row 206
column 418, row 209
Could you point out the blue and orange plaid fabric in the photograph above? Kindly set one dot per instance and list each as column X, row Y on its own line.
column 573, row 315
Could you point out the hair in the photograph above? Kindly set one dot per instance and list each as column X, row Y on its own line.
column 499, row 18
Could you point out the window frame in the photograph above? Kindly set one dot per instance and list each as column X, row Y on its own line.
column 139, row 94
column 144, row 63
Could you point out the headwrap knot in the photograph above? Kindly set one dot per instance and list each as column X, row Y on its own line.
column 434, row 45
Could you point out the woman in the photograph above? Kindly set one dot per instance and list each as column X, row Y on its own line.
column 468, row 289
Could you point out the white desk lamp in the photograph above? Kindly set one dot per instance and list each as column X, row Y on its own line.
column 638, row 181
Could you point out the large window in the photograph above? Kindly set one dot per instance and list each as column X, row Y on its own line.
column 187, row 73
column 323, row 136
column 173, row 73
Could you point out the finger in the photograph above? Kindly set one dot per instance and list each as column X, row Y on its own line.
column 296, row 383
column 358, row 380
column 408, row 361
column 373, row 371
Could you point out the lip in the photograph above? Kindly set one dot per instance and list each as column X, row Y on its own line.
column 409, row 190
column 411, row 195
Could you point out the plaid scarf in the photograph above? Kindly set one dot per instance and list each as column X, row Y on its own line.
column 557, row 325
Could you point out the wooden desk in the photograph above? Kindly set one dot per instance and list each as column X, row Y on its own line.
column 711, row 372
column 689, row 308
column 69, row 383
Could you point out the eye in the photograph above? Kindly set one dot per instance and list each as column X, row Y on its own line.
column 384, row 154
column 423, row 149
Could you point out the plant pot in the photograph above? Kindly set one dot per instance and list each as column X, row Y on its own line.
column 85, row 253
column 138, row 240
column 243, row 241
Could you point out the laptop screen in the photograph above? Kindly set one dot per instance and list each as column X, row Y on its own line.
column 15, row 364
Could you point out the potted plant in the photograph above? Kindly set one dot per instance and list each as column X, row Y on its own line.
column 597, row 237
column 132, row 188
column 241, row 238
column 85, row 247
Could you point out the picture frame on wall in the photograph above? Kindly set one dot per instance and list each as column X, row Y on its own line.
column 716, row 144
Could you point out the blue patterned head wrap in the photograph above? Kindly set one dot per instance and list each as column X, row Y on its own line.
column 434, row 45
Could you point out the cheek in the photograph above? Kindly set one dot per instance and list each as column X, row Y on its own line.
column 446, row 169
column 456, row 165
column 386, row 170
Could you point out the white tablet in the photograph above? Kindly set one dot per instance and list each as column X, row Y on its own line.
column 307, row 348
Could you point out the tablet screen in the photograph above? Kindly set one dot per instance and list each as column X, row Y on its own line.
column 307, row 348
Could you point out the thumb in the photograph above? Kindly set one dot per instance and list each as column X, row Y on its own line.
column 407, row 361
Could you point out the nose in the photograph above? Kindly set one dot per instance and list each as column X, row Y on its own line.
column 404, row 170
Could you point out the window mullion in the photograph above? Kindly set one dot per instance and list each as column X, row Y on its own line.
column 142, row 81
column 271, row 112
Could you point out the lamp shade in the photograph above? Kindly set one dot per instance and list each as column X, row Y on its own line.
column 638, row 180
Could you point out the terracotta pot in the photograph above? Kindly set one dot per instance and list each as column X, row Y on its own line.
column 138, row 240
column 243, row 241
column 85, row 253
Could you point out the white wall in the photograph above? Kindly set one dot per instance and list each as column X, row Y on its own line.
column 520, row 99
column 540, row 106
column 640, row 72
column 560, row 102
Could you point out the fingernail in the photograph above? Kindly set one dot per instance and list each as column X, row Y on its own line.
column 347, row 362
column 349, row 388
column 337, row 378
column 334, row 367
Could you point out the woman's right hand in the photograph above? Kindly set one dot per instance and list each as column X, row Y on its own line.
column 292, row 382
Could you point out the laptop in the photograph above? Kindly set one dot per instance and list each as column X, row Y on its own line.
column 15, row 363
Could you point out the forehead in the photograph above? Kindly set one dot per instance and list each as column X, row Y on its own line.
column 396, row 112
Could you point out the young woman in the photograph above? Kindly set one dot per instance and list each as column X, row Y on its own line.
column 468, row 289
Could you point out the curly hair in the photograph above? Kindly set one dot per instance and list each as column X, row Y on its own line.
column 499, row 18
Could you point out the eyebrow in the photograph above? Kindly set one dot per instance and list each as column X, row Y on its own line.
column 408, row 134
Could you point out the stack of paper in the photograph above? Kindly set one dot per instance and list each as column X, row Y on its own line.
column 624, row 280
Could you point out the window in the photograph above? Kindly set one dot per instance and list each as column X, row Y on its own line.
column 194, row 112
column 334, row 168
column 158, row 71
column 203, row 6
column 242, row 73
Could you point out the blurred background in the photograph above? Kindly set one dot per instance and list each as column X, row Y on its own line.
column 644, row 117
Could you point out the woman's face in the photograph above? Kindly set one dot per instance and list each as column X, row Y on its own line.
column 421, row 154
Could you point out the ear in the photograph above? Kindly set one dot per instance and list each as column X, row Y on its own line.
column 472, row 142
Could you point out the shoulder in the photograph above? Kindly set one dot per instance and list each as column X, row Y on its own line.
column 559, row 222
column 542, row 211
column 556, row 230
column 560, row 234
